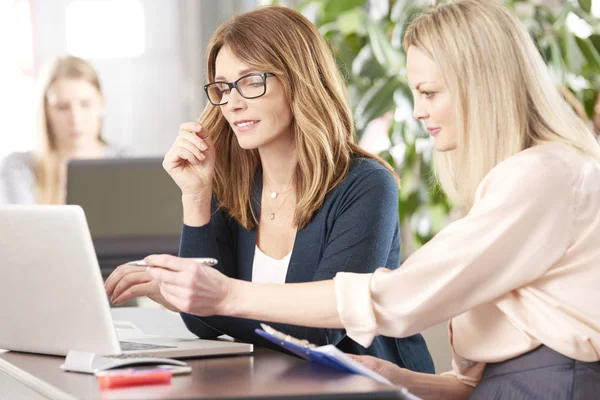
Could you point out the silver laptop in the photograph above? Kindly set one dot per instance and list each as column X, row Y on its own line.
column 52, row 296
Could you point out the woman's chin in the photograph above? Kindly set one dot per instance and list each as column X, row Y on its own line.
column 442, row 146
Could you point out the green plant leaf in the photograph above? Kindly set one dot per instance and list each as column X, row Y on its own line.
column 408, row 206
column 391, row 59
column 590, row 53
column 398, row 10
column 379, row 9
column 595, row 39
column 573, row 56
column 351, row 21
column 332, row 9
column 561, row 20
column 364, row 64
column 376, row 101
column 555, row 62
column 586, row 5
column 589, row 101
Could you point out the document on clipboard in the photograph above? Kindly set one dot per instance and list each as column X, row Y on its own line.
column 329, row 355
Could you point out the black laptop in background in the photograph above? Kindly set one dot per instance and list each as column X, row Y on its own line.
column 132, row 206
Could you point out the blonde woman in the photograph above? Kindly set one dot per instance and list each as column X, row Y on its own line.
column 70, row 112
column 294, row 199
column 518, row 276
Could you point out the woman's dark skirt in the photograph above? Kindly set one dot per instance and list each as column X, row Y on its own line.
column 540, row 374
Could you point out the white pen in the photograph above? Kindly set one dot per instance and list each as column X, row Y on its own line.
column 203, row 260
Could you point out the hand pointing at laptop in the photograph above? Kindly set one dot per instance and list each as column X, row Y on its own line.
column 190, row 163
column 163, row 285
column 188, row 284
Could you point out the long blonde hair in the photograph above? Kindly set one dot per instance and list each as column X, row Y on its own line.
column 282, row 41
column 50, row 164
column 505, row 99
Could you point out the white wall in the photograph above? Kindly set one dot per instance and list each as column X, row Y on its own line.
column 438, row 343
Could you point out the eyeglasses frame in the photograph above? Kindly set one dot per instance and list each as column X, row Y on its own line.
column 233, row 85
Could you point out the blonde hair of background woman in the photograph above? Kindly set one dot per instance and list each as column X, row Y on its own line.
column 505, row 98
column 282, row 41
column 50, row 170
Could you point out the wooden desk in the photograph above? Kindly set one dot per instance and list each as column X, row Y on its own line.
column 265, row 374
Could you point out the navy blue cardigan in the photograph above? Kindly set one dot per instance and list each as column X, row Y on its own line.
column 356, row 230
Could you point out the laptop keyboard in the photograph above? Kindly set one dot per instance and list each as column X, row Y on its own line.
column 131, row 346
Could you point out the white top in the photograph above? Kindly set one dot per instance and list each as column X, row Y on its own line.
column 520, row 270
column 17, row 175
column 269, row 270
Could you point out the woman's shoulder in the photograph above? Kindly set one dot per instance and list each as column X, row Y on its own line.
column 555, row 164
column 547, row 159
column 18, row 161
column 365, row 168
column 367, row 176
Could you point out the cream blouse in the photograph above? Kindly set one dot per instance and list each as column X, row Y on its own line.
column 520, row 270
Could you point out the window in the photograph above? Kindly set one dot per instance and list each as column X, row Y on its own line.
column 105, row 29
column 17, row 125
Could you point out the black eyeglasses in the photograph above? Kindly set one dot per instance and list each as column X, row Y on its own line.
column 249, row 87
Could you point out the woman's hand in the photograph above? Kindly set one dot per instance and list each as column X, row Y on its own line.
column 390, row 371
column 127, row 282
column 190, row 161
column 189, row 285
column 425, row 386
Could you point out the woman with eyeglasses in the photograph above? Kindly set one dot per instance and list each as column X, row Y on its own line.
column 273, row 184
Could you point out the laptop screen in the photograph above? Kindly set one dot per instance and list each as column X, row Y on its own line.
column 125, row 197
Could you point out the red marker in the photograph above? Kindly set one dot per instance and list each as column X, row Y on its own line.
column 132, row 377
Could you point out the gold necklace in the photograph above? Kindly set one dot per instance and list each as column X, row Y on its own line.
column 272, row 215
column 273, row 194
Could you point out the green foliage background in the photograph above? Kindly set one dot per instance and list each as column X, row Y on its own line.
column 366, row 36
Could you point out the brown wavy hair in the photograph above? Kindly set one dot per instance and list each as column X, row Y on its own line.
column 282, row 41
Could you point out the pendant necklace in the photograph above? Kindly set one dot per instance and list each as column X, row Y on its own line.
column 273, row 195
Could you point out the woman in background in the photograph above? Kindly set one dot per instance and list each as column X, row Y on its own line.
column 69, row 126
column 518, row 277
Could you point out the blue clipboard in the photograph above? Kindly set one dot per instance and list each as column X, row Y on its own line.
column 328, row 356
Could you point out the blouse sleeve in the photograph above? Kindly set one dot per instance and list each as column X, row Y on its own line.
column 518, row 228
column 17, row 180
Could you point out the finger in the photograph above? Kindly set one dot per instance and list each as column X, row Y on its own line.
column 192, row 147
column 166, row 275
column 115, row 277
column 367, row 361
column 185, row 154
column 197, row 130
column 176, row 154
column 202, row 133
column 109, row 284
column 194, row 139
column 189, row 127
column 129, row 280
column 139, row 290
column 171, row 158
column 168, row 261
